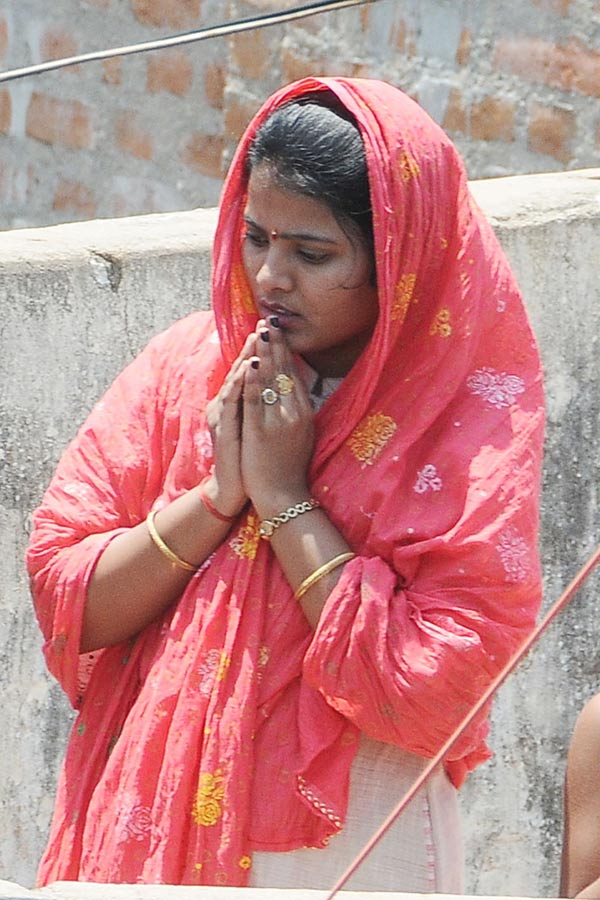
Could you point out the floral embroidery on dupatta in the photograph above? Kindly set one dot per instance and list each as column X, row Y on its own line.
column 409, row 167
column 370, row 437
column 207, row 809
column 428, row 480
column 404, row 294
column 499, row 389
column 513, row 551
column 441, row 324
column 241, row 296
column 245, row 542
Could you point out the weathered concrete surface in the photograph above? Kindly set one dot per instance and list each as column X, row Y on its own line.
column 71, row 890
column 77, row 301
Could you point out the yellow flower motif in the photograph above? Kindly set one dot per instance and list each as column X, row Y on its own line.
column 207, row 805
column 224, row 663
column 409, row 167
column 263, row 656
column 370, row 437
column 245, row 543
column 404, row 294
column 444, row 243
column 241, row 296
column 441, row 324
column 245, row 862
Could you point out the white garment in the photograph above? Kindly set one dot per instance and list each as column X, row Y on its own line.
column 422, row 852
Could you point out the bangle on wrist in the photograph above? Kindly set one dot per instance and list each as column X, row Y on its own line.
column 268, row 526
column 164, row 549
column 210, row 506
column 321, row 572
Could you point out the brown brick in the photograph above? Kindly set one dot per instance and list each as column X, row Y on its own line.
column 5, row 111
column 559, row 6
column 571, row 66
column 296, row 67
column 237, row 117
column 251, row 52
column 401, row 34
column 463, row 50
column 204, row 152
column 170, row 71
column 3, row 37
column 550, row 131
column 455, row 118
column 360, row 70
column 132, row 138
column 214, row 85
column 57, row 42
column 167, row 13
column 112, row 71
column 492, row 120
column 75, row 197
column 53, row 121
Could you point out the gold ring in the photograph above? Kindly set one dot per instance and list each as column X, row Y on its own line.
column 269, row 396
column 285, row 384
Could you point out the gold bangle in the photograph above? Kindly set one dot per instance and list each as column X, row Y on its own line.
column 166, row 551
column 321, row 572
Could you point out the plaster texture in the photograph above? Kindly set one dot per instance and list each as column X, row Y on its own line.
column 69, row 890
column 78, row 301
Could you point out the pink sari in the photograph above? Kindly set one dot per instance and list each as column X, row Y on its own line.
column 228, row 725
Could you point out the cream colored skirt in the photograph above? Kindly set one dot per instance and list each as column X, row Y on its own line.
column 422, row 852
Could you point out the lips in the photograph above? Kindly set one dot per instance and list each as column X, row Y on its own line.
column 268, row 308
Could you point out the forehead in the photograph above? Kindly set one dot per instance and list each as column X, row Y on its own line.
column 273, row 207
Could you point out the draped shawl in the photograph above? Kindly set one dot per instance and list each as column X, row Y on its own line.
column 228, row 725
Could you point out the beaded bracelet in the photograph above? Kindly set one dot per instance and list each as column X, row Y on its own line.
column 164, row 549
column 321, row 572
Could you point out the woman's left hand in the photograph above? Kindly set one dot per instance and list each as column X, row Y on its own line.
column 277, row 437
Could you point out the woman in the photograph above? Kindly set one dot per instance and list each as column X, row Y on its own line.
column 580, row 875
column 310, row 544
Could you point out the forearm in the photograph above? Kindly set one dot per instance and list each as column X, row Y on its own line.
column 302, row 546
column 134, row 582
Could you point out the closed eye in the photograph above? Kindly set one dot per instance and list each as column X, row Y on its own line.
column 256, row 238
column 313, row 256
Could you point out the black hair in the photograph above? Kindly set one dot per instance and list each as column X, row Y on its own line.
column 313, row 147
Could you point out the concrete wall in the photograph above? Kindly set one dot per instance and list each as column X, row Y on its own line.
column 77, row 301
column 515, row 82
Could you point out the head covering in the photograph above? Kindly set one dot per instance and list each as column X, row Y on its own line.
column 427, row 458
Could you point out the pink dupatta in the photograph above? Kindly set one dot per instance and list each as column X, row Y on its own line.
column 228, row 725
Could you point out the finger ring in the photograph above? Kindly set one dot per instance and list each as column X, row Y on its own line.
column 285, row 384
column 269, row 396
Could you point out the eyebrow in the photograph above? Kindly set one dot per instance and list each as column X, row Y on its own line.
column 292, row 235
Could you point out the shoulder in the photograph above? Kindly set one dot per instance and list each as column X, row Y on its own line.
column 186, row 336
column 584, row 751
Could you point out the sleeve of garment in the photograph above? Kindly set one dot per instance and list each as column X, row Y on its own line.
column 105, row 482
column 405, row 657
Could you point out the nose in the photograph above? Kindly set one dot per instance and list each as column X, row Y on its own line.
column 273, row 272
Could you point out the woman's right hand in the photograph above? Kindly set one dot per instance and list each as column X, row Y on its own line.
column 224, row 419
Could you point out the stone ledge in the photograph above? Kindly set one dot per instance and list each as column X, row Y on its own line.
column 78, row 890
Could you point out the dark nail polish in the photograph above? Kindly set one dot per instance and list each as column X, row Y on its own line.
column 274, row 321
column 265, row 336
column 255, row 363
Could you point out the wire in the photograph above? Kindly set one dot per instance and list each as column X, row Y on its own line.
column 552, row 613
column 189, row 37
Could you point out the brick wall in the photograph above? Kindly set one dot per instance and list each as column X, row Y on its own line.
column 515, row 82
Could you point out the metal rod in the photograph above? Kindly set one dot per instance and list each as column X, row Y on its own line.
column 552, row 613
column 189, row 37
